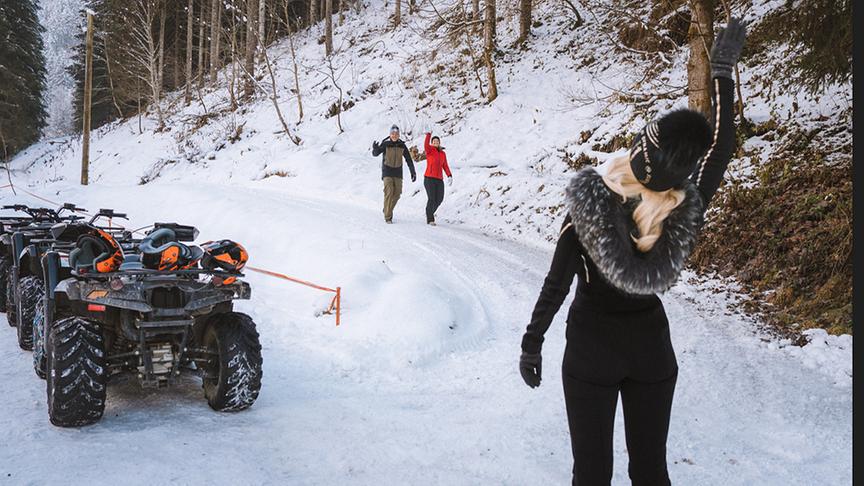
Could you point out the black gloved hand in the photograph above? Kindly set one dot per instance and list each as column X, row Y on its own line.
column 727, row 49
column 413, row 177
column 375, row 145
column 530, row 367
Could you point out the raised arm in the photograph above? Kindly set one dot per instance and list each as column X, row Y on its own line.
column 709, row 173
column 426, row 145
column 725, row 53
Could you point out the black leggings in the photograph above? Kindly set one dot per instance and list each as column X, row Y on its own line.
column 434, row 196
column 591, row 414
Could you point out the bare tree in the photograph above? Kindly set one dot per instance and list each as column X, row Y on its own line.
column 397, row 17
column 262, row 27
column 524, row 20
column 489, row 49
column 160, row 69
column 201, row 41
column 701, row 35
column 190, row 17
column 235, row 54
column 215, row 36
column 110, row 76
column 490, row 24
column 251, row 46
column 290, row 29
column 144, row 50
column 176, row 54
column 331, row 73
column 274, row 93
column 328, row 27
column 313, row 12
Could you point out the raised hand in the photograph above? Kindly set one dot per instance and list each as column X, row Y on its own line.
column 727, row 49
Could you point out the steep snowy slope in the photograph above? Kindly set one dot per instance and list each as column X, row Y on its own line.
column 419, row 386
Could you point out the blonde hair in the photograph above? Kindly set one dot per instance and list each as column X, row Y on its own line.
column 651, row 211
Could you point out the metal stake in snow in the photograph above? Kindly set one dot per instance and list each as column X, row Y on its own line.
column 88, row 98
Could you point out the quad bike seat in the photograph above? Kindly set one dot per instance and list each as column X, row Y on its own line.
column 131, row 262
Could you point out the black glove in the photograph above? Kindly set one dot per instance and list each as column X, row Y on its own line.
column 727, row 49
column 413, row 177
column 529, row 366
column 375, row 145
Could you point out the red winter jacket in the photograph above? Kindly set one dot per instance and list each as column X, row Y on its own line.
column 435, row 160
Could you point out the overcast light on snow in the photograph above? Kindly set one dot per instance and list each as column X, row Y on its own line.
column 420, row 384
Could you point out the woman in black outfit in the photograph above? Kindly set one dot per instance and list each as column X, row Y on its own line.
column 627, row 237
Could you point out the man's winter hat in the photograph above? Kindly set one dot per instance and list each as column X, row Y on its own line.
column 394, row 128
column 666, row 151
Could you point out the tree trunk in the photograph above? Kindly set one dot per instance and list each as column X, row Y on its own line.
column 190, row 10
column 397, row 17
column 339, row 7
column 475, row 13
column 489, row 49
column 313, row 12
column 524, row 20
column 110, row 77
column 201, row 23
column 701, row 35
column 251, row 45
column 160, row 67
column 232, row 81
column 489, row 25
column 293, row 60
column 176, row 62
column 262, row 27
column 215, row 36
column 328, row 27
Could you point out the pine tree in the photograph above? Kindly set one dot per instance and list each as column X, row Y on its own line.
column 22, row 76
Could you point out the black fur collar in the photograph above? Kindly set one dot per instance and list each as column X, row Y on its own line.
column 604, row 224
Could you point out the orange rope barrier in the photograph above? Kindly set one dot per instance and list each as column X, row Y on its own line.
column 335, row 304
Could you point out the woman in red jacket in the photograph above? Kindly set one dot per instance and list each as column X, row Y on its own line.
column 433, row 180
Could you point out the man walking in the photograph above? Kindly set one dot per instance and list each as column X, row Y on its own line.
column 393, row 151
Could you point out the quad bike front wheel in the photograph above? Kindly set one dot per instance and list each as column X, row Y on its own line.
column 31, row 291
column 39, row 354
column 11, row 305
column 77, row 373
column 232, row 378
column 4, row 279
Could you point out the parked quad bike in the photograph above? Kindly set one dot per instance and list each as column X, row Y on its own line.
column 31, row 288
column 20, row 273
column 155, row 324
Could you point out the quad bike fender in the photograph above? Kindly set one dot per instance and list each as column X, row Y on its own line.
column 133, row 296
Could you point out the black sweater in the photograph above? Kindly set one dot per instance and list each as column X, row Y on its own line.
column 592, row 291
column 394, row 171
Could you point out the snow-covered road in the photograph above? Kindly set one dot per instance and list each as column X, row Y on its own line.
column 420, row 384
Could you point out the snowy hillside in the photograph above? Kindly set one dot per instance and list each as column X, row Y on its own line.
column 420, row 384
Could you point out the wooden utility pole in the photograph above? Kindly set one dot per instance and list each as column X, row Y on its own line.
column 88, row 97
